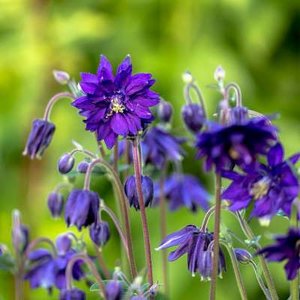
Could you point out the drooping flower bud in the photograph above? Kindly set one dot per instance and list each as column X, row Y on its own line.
column 100, row 233
column 113, row 290
column 242, row 255
column 72, row 294
column 39, row 138
column 63, row 244
column 20, row 233
column 164, row 111
column 219, row 74
column 55, row 204
column 82, row 167
column 193, row 116
column 131, row 191
column 82, row 208
column 66, row 163
column 61, row 77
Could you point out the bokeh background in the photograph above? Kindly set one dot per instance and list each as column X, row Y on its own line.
column 257, row 42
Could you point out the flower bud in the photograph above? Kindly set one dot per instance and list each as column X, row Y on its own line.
column 187, row 77
column 193, row 116
column 131, row 191
column 242, row 255
column 55, row 204
column 61, row 77
column 72, row 294
column 164, row 111
column 100, row 233
column 82, row 167
column 66, row 163
column 63, row 244
column 20, row 233
column 219, row 74
column 113, row 290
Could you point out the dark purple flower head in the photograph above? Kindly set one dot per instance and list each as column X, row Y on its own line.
column 55, row 204
column 100, row 233
column 224, row 146
column 116, row 105
column 198, row 246
column 272, row 187
column 193, row 117
column 82, row 167
column 114, row 290
column 164, row 111
column 242, row 255
column 63, row 244
column 159, row 146
column 39, row 138
column 82, row 208
column 131, row 191
column 66, row 163
column 286, row 247
column 73, row 294
column 182, row 190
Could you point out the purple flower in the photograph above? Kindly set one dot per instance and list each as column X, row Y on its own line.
column 272, row 187
column 193, row 117
column 72, row 294
column 286, row 247
column 198, row 245
column 48, row 270
column 238, row 143
column 183, row 190
column 242, row 255
column 113, row 290
column 164, row 111
column 55, row 204
column 131, row 191
column 116, row 105
column 100, row 233
column 82, row 167
column 39, row 138
column 66, row 163
column 82, row 208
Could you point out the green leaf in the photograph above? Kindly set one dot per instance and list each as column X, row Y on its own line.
column 7, row 263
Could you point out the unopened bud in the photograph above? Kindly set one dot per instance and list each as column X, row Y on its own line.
column 219, row 74
column 61, row 77
column 66, row 163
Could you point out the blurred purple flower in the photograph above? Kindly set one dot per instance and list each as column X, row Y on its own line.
column 55, row 204
column 72, row 294
column 100, row 233
column 193, row 117
column 113, row 290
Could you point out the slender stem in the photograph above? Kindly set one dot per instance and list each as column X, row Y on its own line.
column 19, row 285
column 123, row 206
column 101, row 149
column 250, row 235
column 92, row 268
column 138, row 182
column 37, row 241
column 163, row 230
column 237, row 90
column 116, row 157
column 87, row 152
column 294, row 284
column 187, row 96
column 101, row 262
column 214, row 277
column 53, row 100
column 237, row 272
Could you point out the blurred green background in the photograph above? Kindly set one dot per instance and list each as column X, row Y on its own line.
column 257, row 42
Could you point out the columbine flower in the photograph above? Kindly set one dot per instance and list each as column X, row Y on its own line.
column 82, row 208
column 286, row 247
column 65, row 163
column 39, row 138
column 242, row 255
column 113, row 290
column 164, row 111
column 72, row 294
column 198, row 245
column 238, row 143
column 272, row 187
column 55, row 204
column 183, row 190
column 100, row 233
column 116, row 105
column 48, row 270
column 131, row 191
column 193, row 116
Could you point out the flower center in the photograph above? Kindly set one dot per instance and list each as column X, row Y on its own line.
column 260, row 188
column 116, row 106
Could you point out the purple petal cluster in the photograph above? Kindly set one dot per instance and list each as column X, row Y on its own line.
column 286, row 247
column 116, row 105
column 198, row 246
column 182, row 190
column 72, row 294
column 272, row 187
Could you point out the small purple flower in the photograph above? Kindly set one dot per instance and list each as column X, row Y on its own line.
column 114, row 290
column 164, row 111
column 55, row 204
column 182, row 190
column 198, row 246
column 242, row 255
column 193, row 117
column 116, row 105
column 66, row 163
column 272, row 187
column 82, row 167
column 238, row 143
column 39, row 138
column 286, row 247
column 100, row 233
column 72, row 294
column 82, row 208
column 131, row 191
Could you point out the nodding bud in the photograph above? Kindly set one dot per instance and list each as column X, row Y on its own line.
column 66, row 163
column 63, row 244
column 219, row 74
column 164, row 111
column 72, row 294
column 20, row 233
column 55, row 204
column 100, row 233
column 61, row 77
column 187, row 77
column 113, row 290
column 242, row 255
column 193, row 116
column 82, row 167
column 131, row 191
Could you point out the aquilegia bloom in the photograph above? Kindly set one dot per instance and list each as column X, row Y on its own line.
column 116, row 105
column 273, row 187
column 286, row 247
column 197, row 245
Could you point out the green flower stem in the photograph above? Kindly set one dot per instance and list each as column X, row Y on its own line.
column 104, row 269
column 294, row 284
column 249, row 234
column 138, row 181
column 213, row 286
